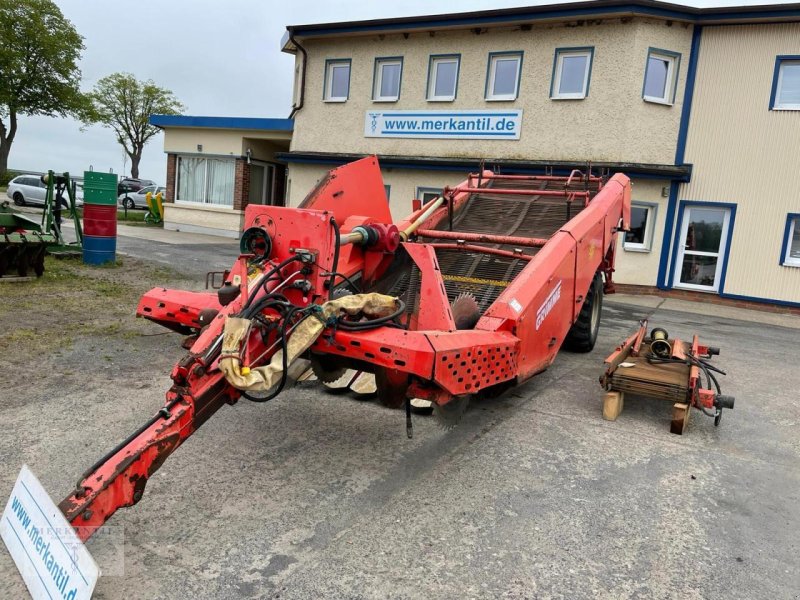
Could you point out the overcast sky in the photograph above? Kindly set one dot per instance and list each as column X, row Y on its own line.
column 220, row 57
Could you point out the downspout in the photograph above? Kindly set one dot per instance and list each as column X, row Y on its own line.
column 299, row 105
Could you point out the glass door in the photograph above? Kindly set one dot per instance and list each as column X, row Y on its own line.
column 262, row 178
column 701, row 248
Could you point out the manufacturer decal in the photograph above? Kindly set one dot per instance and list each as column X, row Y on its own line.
column 548, row 305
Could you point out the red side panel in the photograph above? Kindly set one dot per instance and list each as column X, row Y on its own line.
column 352, row 189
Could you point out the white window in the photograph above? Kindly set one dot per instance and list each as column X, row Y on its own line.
column 502, row 77
column 640, row 236
column 337, row 80
column 791, row 248
column 571, row 72
column 443, row 78
column 428, row 194
column 660, row 76
column 386, row 84
column 786, row 86
column 206, row 180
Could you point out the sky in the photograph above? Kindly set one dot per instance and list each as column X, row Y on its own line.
column 219, row 57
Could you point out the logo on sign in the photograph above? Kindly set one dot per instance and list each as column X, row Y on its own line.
column 548, row 305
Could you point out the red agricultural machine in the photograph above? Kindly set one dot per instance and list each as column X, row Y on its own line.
column 473, row 293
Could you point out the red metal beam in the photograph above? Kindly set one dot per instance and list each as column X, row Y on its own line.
column 507, row 192
column 532, row 177
column 485, row 238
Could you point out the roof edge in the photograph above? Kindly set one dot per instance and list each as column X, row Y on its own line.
column 201, row 122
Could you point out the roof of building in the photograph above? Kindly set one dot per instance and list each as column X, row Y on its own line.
column 548, row 12
column 248, row 123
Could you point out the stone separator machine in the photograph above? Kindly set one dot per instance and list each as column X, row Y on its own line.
column 471, row 294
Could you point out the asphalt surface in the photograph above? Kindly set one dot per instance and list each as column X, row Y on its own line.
column 316, row 495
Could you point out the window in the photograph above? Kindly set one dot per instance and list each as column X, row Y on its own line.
column 388, row 190
column 660, row 76
column 572, row 69
column 386, row 80
column 428, row 194
column 337, row 80
column 791, row 242
column 205, row 180
column 443, row 77
column 786, row 84
column 502, row 75
column 640, row 236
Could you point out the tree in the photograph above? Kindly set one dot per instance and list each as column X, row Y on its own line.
column 124, row 104
column 39, row 75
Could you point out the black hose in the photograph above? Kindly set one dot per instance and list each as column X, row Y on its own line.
column 335, row 265
column 348, row 280
column 268, row 276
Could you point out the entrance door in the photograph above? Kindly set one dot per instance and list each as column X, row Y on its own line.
column 262, row 178
column 701, row 248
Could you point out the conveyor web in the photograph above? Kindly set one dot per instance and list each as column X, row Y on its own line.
column 483, row 275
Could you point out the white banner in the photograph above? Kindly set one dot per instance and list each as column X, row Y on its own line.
column 53, row 561
column 445, row 124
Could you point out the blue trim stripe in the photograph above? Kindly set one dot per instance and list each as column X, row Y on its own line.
column 563, row 11
column 222, row 122
column 784, row 254
column 762, row 300
column 662, row 280
column 44, row 585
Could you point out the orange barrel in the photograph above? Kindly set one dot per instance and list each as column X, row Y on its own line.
column 99, row 220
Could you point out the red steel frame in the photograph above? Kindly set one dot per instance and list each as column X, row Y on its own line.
column 517, row 336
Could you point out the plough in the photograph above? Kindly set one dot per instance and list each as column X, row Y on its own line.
column 473, row 293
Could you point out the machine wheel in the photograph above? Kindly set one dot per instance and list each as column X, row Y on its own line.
column 583, row 334
column 128, row 203
column 19, row 199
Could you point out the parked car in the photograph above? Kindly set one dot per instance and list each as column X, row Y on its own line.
column 138, row 199
column 129, row 184
column 29, row 190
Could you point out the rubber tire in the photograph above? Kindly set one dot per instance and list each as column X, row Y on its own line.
column 128, row 203
column 19, row 199
column 582, row 336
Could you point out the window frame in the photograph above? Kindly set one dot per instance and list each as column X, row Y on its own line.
column 387, row 188
column 422, row 190
column 205, row 201
column 491, row 73
column 430, row 89
column 377, row 78
column 792, row 222
column 555, row 77
column 777, row 77
column 330, row 63
column 673, row 72
column 649, row 228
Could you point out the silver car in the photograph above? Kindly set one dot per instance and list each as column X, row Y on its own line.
column 138, row 199
column 29, row 190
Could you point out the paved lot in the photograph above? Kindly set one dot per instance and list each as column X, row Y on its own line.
column 533, row 496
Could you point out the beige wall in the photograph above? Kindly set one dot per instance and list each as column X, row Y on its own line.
column 203, row 219
column 223, row 142
column 612, row 124
column 745, row 154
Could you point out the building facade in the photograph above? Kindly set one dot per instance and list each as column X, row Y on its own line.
column 216, row 166
column 700, row 107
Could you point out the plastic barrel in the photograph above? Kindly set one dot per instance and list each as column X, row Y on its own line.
column 99, row 220
column 99, row 250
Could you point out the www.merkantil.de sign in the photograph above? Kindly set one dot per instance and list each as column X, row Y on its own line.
column 456, row 124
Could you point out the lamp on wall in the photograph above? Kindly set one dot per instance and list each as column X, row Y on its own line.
column 249, row 154
column 199, row 147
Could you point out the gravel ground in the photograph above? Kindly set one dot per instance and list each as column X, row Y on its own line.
column 322, row 496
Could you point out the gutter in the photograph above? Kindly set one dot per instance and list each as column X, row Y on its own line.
column 299, row 105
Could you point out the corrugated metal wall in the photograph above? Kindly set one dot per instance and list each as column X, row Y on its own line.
column 746, row 154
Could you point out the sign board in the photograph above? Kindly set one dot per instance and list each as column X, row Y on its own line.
column 444, row 124
column 53, row 561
